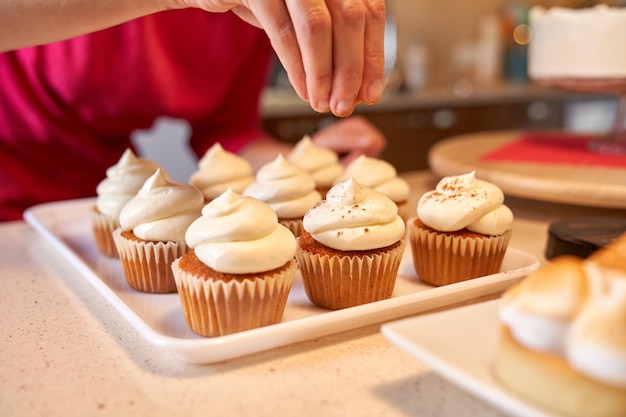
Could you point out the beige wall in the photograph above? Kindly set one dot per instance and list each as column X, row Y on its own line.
column 444, row 23
column 440, row 24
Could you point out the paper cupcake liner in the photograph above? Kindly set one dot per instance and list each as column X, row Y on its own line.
column 336, row 282
column 294, row 225
column 147, row 265
column 103, row 227
column 445, row 258
column 216, row 307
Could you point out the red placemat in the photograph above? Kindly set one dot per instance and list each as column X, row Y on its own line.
column 550, row 148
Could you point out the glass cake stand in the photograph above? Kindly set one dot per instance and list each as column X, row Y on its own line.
column 614, row 142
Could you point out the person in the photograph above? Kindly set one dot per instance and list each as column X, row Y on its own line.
column 77, row 77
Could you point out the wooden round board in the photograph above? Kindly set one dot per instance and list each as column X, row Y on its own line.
column 596, row 186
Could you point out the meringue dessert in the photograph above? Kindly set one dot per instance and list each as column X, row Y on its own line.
column 563, row 335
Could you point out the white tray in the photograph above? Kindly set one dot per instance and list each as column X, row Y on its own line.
column 159, row 318
column 460, row 344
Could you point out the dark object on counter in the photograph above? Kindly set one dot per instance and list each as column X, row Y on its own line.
column 581, row 236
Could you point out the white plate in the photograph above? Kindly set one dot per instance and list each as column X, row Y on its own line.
column 159, row 318
column 460, row 344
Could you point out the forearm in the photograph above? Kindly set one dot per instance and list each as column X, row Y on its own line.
column 34, row 22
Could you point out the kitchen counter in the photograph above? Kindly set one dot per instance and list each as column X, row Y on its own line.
column 66, row 351
column 283, row 102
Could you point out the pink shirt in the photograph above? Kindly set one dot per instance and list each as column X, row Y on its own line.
column 67, row 109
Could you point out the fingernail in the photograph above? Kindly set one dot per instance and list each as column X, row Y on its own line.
column 322, row 105
column 375, row 90
column 345, row 107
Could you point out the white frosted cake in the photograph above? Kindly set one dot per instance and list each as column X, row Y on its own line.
column 577, row 43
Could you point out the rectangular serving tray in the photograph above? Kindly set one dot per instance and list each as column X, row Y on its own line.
column 159, row 318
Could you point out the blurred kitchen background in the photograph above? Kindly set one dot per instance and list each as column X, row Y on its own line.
column 459, row 67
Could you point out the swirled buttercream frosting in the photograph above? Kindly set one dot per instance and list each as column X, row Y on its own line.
column 123, row 180
column 238, row 234
column 321, row 163
column 355, row 217
column 465, row 202
column 162, row 209
column 287, row 189
column 219, row 170
column 379, row 175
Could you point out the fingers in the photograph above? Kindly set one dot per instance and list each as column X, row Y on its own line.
column 314, row 30
column 273, row 16
column 348, row 49
column 332, row 50
column 358, row 28
column 374, row 53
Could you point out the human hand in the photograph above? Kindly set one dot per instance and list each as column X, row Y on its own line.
column 350, row 138
column 332, row 50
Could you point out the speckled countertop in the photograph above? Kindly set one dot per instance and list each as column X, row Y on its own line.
column 65, row 351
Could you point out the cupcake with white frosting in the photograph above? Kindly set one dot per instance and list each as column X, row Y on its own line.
column 287, row 189
column 219, row 170
column 321, row 163
column 461, row 231
column 350, row 251
column 152, row 232
column 562, row 343
column 382, row 177
column 240, row 270
column 123, row 180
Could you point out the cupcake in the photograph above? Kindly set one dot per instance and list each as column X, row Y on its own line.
column 382, row 177
column 152, row 232
column 321, row 163
column 287, row 189
column 219, row 170
column 351, row 247
column 239, row 272
column 461, row 231
column 562, row 337
column 122, row 182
